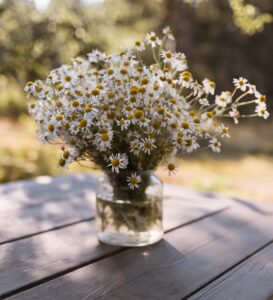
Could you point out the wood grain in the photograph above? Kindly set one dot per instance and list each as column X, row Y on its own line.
column 29, row 207
column 252, row 280
column 186, row 260
column 32, row 259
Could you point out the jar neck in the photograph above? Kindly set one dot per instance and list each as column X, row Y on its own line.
column 129, row 173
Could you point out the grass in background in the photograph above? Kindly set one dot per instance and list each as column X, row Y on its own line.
column 249, row 176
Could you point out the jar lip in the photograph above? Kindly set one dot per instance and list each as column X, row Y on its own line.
column 126, row 172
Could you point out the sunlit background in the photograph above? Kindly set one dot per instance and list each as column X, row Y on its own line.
column 221, row 38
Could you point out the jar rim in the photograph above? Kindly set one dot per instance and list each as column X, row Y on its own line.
column 127, row 172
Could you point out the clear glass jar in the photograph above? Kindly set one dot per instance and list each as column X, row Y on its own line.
column 127, row 217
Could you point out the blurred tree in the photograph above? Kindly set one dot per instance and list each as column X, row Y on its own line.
column 247, row 17
column 216, row 47
column 33, row 42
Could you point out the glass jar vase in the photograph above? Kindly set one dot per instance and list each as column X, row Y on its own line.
column 129, row 217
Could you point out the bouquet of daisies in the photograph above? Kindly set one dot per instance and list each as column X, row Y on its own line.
column 129, row 117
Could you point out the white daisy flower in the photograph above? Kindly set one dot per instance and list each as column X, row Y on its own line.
column 209, row 86
column 147, row 145
column 118, row 161
column 139, row 46
column 171, row 168
column 261, row 111
column 152, row 39
column 167, row 56
column 240, row 83
column 223, row 130
column 190, row 145
column 103, row 140
column 185, row 79
column 123, row 123
column 133, row 181
column 215, row 145
column 260, row 98
column 223, row 99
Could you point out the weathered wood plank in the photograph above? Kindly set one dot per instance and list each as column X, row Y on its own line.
column 33, row 206
column 251, row 280
column 31, row 259
column 187, row 259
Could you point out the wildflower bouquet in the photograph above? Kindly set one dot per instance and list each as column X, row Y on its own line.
column 128, row 117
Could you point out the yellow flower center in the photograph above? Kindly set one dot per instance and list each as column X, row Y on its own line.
column 83, row 123
column 148, row 144
column 66, row 154
column 171, row 167
column 111, row 95
column 212, row 84
column 51, row 128
column 68, row 78
column 59, row 118
column 133, row 180
column 123, row 71
column 115, row 162
column 189, row 143
column 95, row 92
column 161, row 110
column 196, row 120
column 168, row 54
column 75, row 103
column 62, row 162
column 185, row 125
column 105, row 137
column 209, row 114
column 138, row 114
column 144, row 80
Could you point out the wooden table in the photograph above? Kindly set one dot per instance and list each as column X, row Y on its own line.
column 214, row 247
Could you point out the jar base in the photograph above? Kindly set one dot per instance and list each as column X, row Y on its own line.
column 130, row 240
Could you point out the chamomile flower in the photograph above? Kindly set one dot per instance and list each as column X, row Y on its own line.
column 223, row 130
column 167, row 56
column 261, row 111
column 123, row 123
column 103, row 140
column 209, row 86
column 171, row 168
column 190, row 145
column 260, row 98
column 215, row 145
column 133, row 181
column 223, row 99
column 240, row 83
column 153, row 40
column 118, row 161
column 147, row 145
column 139, row 46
